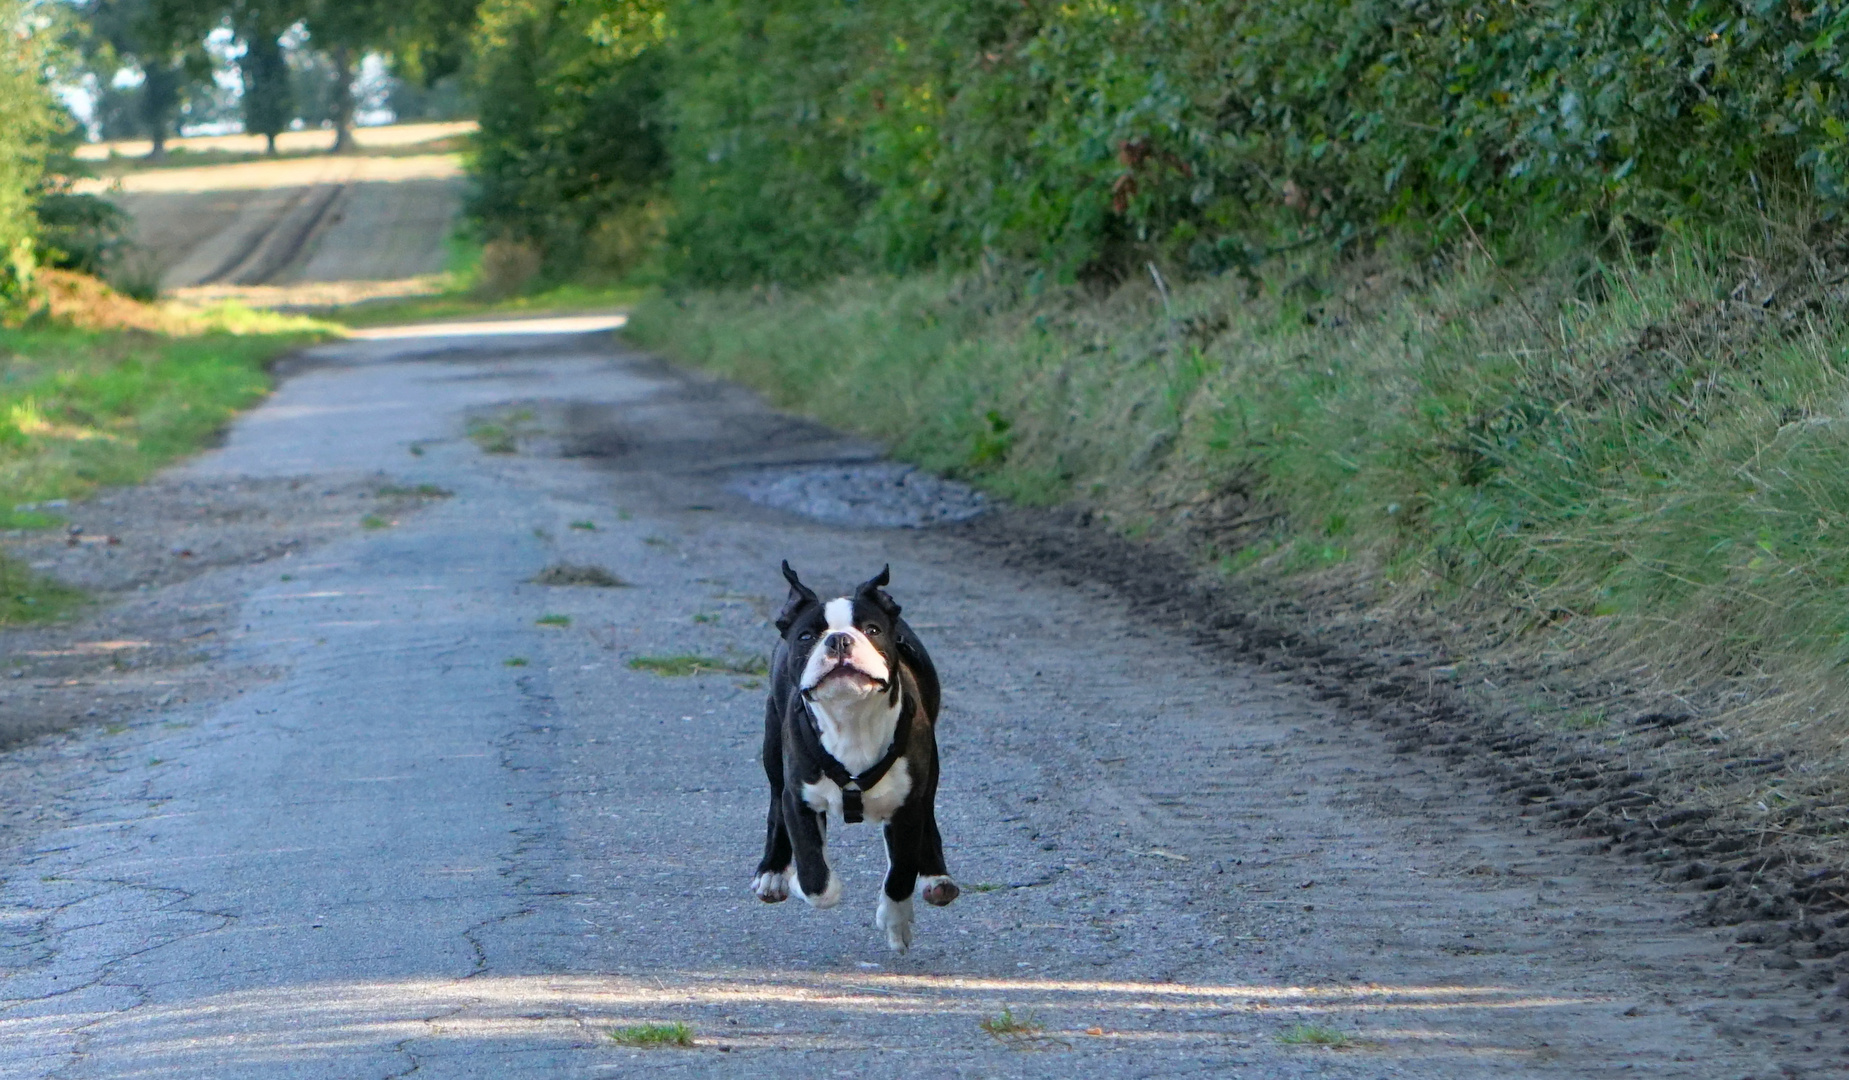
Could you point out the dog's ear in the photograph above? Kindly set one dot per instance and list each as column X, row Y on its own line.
column 801, row 596
column 874, row 589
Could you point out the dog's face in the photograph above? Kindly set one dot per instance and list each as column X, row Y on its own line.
column 841, row 648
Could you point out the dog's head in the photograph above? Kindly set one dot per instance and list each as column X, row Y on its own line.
column 845, row 647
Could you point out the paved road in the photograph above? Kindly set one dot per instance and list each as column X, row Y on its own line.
column 420, row 832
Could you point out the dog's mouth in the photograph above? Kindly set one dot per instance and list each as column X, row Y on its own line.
column 845, row 672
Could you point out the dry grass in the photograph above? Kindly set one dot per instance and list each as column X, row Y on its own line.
column 568, row 574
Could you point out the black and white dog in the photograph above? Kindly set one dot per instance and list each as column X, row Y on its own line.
column 849, row 730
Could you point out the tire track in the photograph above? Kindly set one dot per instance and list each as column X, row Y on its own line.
column 272, row 250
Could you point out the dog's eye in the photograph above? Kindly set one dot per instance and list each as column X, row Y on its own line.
column 872, row 631
column 805, row 636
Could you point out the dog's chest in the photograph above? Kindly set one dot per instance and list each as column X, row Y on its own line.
column 857, row 733
column 877, row 804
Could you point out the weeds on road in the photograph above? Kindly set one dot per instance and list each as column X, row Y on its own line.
column 374, row 521
column 514, row 661
column 493, row 437
column 553, row 620
column 421, row 491
column 1313, row 1035
column 564, row 573
column 689, row 664
column 1023, row 1032
column 651, row 1035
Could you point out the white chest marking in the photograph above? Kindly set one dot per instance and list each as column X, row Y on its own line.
column 878, row 804
column 857, row 729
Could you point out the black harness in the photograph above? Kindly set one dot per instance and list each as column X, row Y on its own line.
column 853, row 786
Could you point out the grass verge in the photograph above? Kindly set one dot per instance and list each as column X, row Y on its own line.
column 105, row 391
column 461, row 302
column 81, row 408
column 1637, row 461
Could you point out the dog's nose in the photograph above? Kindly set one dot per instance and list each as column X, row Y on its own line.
column 838, row 644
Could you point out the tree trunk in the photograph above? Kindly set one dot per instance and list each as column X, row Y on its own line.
column 160, row 95
column 342, row 58
column 271, row 148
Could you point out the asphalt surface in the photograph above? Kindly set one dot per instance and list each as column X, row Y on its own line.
column 422, row 832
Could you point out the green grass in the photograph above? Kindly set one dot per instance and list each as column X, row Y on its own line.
column 653, row 1035
column 26, row 597
column 514, row 661
column 586, row 526
column 553, row 620
column 1312, row 1035
column 80, row 409
column 1601, row 450
column 374, row 521
column 689, row 664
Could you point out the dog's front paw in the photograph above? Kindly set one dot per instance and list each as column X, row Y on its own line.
column 895, row 917
column 772, row 888
column 938, row 890
column 827, row 898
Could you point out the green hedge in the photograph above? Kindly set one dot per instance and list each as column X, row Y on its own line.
column 808, row 137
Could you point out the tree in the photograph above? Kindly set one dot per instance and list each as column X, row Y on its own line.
column 426, row 36
column 267, row 101
column 163, row 39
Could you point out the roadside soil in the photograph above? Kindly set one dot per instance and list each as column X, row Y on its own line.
column 1619, row 762
column 405, row 824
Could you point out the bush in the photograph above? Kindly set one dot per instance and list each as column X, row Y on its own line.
column 570, row 134
column 1089, row 138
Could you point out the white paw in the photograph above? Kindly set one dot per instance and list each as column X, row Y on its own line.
column 772, row 888
column 895, row 917
column 827, row 898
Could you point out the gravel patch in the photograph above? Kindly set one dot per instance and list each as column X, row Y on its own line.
column 881, row 495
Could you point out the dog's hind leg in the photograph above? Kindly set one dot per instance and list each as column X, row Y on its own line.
column 813, row 879
column 904, row 835
column 934, row 882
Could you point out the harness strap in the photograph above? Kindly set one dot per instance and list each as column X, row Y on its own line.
column 852, row 786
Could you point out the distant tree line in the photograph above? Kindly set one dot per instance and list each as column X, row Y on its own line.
column 151, row 62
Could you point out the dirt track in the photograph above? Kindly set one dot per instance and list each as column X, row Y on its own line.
column 370, row 842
